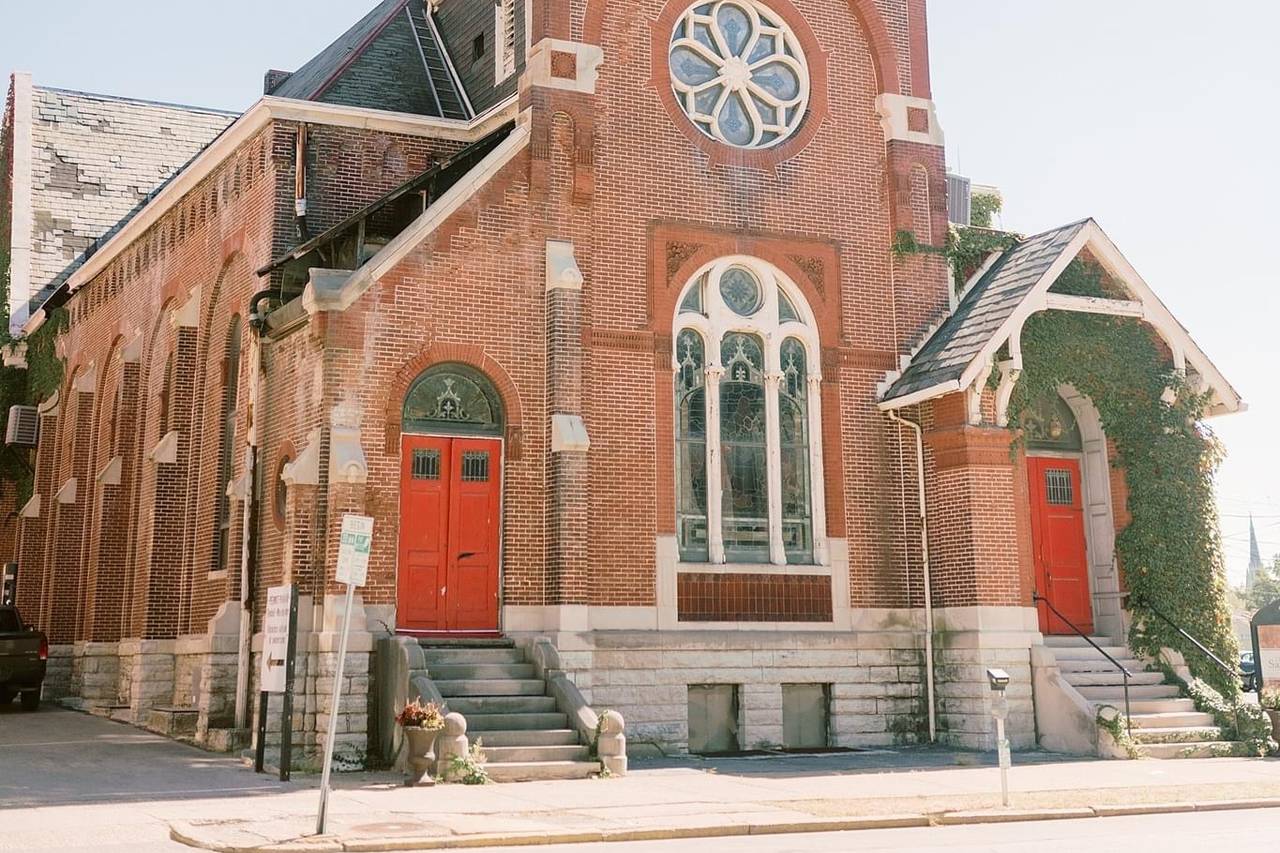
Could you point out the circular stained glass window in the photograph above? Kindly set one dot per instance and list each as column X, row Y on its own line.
column 741, row 291
column 739, row 73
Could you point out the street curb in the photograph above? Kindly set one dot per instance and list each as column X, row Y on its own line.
column 189, row 834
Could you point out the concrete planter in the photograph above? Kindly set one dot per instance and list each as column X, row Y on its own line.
column 421, row 744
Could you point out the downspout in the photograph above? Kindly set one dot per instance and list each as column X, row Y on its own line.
column 258, row 326
column 924, row 555
column 299, row 183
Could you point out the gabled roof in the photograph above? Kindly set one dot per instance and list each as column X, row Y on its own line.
column 1016, row 284
column 390, row 59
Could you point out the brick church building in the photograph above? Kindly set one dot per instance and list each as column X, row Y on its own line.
column 594, row 307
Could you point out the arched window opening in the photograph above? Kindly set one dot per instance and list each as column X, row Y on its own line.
column 452, row 399
column 226, row 446
column 747, row 456
column 1049, row 424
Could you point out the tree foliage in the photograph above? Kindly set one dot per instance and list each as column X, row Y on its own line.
column 1171, row 552
column 1266, row 587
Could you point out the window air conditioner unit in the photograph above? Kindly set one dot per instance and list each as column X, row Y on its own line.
column 23, row 428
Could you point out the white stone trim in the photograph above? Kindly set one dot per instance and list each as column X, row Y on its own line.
column 347, row 463
column 15, row 354
column 166, row 450
column 187, row 316
column 304, row 470
column 569, row 434
column 893, row 119
column 67, row 494
column 31, row 509
column 110, row 474
column 563, row 272
column 589, row 58
column 86, row 380
column 131, row 353
column 49, row 406
column 21, row 217
column 409, row 239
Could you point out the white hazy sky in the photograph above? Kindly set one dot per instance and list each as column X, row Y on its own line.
column 1157, row 117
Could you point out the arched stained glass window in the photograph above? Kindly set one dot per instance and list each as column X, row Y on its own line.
column 793, row 419
column 744, row 449
column 226, row 448
column 1049, row 424
column 452, row 398
column 746, row 455
column 691, row 445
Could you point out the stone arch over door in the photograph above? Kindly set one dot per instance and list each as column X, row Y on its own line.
column 1100, row 531
column 1084, row 443
column 452, row 426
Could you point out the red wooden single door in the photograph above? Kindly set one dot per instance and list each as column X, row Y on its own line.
column 450, row 508
column 1057, row 537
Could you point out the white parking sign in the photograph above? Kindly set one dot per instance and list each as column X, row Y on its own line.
column 353, row 549
column 275, row 639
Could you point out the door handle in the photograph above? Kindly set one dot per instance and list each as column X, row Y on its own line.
column 466, row 554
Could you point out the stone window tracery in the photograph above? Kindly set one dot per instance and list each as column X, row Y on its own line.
column 739, row 73
column 746, row 419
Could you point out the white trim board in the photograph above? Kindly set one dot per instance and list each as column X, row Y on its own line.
column 1144, row 305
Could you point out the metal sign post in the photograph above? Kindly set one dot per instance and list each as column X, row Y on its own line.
column 279, row 641
column 353, row 567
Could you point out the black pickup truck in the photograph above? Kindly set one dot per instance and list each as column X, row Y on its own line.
column 24, row 654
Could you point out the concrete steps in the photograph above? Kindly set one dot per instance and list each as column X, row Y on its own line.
column 1164, row 723
column 521, row 733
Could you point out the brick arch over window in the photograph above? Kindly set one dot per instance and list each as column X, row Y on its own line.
column 472, row 356
column 883, row 55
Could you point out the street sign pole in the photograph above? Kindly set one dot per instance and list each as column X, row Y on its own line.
column 353, row 565
column 286, row 714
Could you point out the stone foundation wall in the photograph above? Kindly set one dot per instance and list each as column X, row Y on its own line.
column 875, row 676
column 57, row 674
column 969, row 641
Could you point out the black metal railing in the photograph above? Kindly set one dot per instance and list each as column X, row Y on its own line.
column 1124, row 672
column 1232, row 672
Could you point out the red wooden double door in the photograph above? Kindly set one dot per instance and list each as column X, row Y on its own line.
column 450, row 518
column 1058, row 541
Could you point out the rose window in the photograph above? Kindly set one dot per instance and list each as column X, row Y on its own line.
column 738, row 72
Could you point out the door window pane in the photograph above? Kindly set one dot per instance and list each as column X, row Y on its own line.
column 475, row 466
column 426, row 464
column 1058, row 487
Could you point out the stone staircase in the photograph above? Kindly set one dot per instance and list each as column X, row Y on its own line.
column 1165, row 725
column 524, row 736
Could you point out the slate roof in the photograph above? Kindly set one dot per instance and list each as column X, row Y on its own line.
column 389, row 60
column 983, row 310
column 95, row 161
column 305, row 83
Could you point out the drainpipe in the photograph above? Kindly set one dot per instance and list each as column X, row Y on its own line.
column 924, row 554
column 257, row 325
column 300, row 182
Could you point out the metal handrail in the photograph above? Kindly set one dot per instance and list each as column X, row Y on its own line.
column 1204, row 650
column 1233, row 672
column 1125, row 673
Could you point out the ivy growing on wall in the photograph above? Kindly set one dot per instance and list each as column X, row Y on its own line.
column 1171, row 552
column 966, row 249
column 983, row 208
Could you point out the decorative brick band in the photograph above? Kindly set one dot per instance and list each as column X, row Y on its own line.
column 969, row 447
column 702, row 597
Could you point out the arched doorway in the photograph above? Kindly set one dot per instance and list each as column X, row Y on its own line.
column 450, row 503
column 1056, row 489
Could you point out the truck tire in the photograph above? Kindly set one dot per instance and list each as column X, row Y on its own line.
column 30, row 700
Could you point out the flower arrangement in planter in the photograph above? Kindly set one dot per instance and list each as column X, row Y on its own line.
column 421, row 723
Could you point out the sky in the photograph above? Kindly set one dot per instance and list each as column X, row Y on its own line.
column 1156, row 117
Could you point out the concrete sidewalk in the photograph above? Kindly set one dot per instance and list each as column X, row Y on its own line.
column 689, row 799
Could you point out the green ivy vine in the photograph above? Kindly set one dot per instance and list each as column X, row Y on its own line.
column 965, row 249
column 1171, row 551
